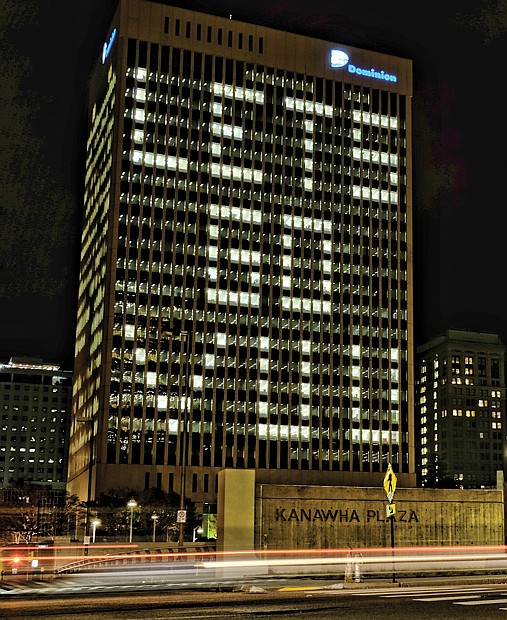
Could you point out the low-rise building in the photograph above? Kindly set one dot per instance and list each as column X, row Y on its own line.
column 460, row 409
column 35, row 401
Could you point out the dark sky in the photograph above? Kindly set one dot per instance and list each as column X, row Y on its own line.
column 458, row 47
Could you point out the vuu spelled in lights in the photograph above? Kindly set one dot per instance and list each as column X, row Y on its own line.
column 339, row 59
column 108, row 45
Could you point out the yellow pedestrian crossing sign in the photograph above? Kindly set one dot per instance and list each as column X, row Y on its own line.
column 390, row 483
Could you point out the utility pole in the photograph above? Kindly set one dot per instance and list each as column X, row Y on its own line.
column 183, row 389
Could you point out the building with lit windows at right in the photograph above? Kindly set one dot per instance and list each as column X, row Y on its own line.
column 461, row 409
column 245, row 295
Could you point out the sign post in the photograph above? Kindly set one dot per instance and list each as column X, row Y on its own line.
column 390, row 488
column 181, row 516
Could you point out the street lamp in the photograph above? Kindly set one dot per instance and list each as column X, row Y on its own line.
column 131, row 504
column 95, row 523
column 155, row 519
column 197, row 531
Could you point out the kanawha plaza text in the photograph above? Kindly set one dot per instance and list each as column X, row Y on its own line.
column 341, row 516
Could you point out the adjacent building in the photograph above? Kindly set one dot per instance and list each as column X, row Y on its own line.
column 35, row 402
column 245, row 296
column 461, row 409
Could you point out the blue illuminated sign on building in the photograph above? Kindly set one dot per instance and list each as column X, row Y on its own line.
column 108, row 45
column 340, row 59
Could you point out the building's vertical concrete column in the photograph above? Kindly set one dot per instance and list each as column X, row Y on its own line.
column 236, row 510
column 501, row 486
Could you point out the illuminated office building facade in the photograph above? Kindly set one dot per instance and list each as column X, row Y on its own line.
column 461, row 409
column 245, row 293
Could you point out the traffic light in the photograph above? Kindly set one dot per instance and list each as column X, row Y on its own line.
column 15, row 563
column 13, row 559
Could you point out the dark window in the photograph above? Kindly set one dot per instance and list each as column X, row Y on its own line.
column 208, row 68
column 164, row 59
column 153, row 57
column 229, row 71
column 143, row 53
column 176, row 61
column 131, row 59
column 219, row 67
column 495, row 368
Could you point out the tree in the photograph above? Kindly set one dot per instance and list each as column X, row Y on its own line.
column 20, row 521
column 114, row 515
column 31, row 511
column 69, row 516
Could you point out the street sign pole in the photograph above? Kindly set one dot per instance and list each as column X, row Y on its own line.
column 390, row 488
column 392, row 546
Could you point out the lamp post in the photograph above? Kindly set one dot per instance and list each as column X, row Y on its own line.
column 155, row 519
column 95, row 523
column 131, row 504
column 197, row 531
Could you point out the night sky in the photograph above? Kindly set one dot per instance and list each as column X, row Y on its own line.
column 47, row 50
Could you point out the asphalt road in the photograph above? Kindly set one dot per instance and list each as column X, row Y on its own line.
column 426, row 602
column 124, row 596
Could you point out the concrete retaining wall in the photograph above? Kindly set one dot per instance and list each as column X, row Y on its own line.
column 292, row 517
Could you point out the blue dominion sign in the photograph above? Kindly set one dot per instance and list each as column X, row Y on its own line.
column 340, row 58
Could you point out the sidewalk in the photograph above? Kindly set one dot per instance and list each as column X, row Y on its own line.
column 401, row 581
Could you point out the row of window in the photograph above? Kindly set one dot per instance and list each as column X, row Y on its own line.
column 465, row 365
column 213, row 35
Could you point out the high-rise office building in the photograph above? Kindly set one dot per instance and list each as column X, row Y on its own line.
column 245, row 294
column 461, row 409
column 35, row 399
